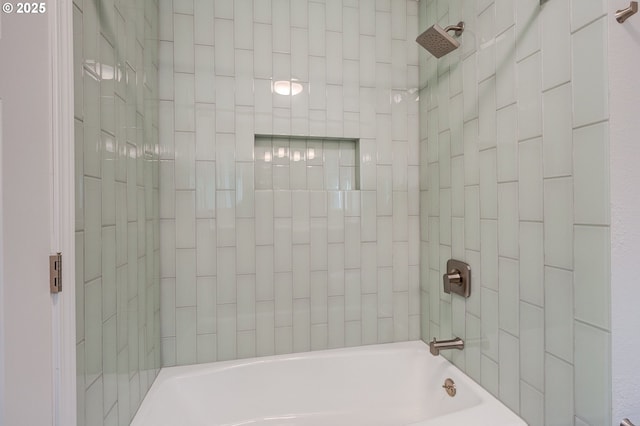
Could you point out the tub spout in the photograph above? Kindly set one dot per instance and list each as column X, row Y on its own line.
column 437, row 345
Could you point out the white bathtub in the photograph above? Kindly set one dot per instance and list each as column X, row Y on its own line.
column 381, row 385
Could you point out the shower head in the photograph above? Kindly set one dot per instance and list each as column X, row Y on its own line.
column 438, row 42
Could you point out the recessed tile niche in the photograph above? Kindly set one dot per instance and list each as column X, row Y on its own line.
column 288, row 162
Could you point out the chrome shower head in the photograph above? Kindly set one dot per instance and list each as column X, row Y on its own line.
column 438, row 42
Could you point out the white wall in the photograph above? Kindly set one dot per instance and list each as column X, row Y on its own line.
column 624, row 71
column 26, row 144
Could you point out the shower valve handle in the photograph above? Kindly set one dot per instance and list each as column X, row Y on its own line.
column 458, row 278
column 453, row 277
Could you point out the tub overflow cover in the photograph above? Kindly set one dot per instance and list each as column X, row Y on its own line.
column 450, row 387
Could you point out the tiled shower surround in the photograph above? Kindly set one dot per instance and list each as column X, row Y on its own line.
column 333, row 227
column 117, row 227
column 249, row 269
column 514, row 180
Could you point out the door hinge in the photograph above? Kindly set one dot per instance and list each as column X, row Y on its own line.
column 55, row 272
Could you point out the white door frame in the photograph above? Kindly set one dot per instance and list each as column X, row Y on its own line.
column 47, row 57
column 63, row 208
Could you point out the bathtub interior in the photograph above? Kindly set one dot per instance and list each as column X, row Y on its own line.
column 395, row 384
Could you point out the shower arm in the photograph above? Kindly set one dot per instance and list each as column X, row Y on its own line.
column 624, row 14
column 458, row 28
